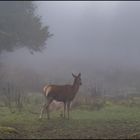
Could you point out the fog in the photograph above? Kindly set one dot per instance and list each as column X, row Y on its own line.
column 99, row 39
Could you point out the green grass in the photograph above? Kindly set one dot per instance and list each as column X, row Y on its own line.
column 113, row 121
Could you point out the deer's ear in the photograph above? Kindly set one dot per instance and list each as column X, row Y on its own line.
column 73, row 75
column 79, row 74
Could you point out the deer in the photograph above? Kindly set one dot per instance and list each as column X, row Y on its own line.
column 61, row 93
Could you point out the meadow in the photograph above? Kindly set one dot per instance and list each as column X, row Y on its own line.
column 109, row 122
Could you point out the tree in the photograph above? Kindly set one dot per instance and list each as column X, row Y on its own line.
column 21, row 27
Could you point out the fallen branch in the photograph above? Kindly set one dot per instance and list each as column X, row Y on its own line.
column 134, row 135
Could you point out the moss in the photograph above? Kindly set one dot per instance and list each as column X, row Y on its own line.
column 8, row 132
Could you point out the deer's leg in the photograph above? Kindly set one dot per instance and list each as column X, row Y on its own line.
column 42, row 110
column 68, row 109
column 49, row 100
column 64, row 108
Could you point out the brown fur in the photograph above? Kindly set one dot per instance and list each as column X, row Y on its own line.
column 61, row 93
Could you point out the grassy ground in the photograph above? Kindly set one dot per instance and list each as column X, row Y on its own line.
column 110, row 122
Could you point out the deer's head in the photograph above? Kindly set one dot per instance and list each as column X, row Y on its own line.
column 77, row 79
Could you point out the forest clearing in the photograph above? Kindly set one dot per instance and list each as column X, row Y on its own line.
column 69, row 70
column 110, row 121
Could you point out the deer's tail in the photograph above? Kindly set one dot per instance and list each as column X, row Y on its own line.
column 45, row 89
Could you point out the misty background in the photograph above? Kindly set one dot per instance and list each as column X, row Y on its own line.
column 99, row 39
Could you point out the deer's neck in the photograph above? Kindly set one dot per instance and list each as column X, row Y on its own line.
column 75, row 87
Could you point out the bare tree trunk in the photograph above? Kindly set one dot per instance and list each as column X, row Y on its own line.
column 7, row 94
column 18, row 99
column 12, row 95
